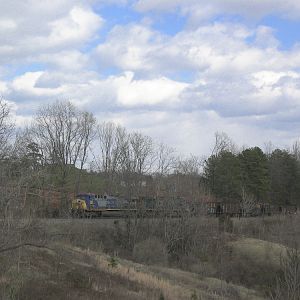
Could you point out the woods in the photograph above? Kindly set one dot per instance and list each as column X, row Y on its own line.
column 67, row 150
column 272, row 178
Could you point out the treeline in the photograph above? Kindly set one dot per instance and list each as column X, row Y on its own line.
column 64, row 145
column 272, row 176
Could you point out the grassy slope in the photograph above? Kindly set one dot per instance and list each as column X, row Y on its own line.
column 71, row 271
column 259, row 251
column 68, row 272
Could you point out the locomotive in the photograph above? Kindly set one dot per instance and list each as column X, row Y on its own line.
column 91, row 205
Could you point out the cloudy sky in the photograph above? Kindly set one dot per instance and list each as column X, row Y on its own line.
column 177, row 70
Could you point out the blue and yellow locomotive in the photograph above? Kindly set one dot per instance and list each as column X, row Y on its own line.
column 91, row 205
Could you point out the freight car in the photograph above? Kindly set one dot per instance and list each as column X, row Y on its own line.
column 236, row 209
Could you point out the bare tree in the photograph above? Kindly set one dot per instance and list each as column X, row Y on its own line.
column 137, row 160
column 269, row 147
column 223, row 143
column 288, row 281
column 6, row 125
column 165, row 159
column 248, row 203
column 106, row 136
column 164, row 165
column 189, row 166
column 111, row 138
column 17, row 219
column 125, row 157
column 26, row 147
column 184, row 182
column 296, row 150
column 142, row 153
column 112, row 141
column 64, row 133
column 86, row 133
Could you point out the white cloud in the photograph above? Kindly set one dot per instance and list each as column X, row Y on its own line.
column 136, row 47
column 129, row 48
column 211, row 50
column 7, row 25
column 26, row 84
column 121, row 91
column 39, row 28
column 68, row 60
column 269, row 78
column 199, row 10
column 148, row 92
column 77, row 27
column 22, row 121
column 3, row 87
column 185, row 116
column 180, row 88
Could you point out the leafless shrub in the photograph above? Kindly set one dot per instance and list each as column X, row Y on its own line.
column 288, row 281
column 150, row 251
column 225, row 223
column 223, row 143
column 248, row 203
column 6, row 126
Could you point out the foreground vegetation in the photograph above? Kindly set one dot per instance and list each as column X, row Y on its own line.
column 92, row 259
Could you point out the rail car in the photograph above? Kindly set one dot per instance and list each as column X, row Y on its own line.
column 236, row 209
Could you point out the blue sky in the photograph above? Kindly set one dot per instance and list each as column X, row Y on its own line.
column 176, row 70
column 286, row 31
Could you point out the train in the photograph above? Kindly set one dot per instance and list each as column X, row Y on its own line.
column 92, row 205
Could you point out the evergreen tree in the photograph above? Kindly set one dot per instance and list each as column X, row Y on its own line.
column 284, row 177
column 222, row 175
column 254, row 171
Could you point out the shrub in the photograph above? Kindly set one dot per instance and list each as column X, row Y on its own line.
column 194, row 296
column 77, row 280
column 288, row 281
column 150, row 251
column 112, row 262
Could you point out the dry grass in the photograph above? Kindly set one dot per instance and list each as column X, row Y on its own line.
column 227, row 266
column 282, row 229
column 64, row 274
column 173, row 283
column 259, row 251
column 137, row 273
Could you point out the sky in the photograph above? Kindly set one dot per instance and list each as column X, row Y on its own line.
column 175, row 70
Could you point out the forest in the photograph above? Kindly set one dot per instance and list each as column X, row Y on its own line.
column 66, row 149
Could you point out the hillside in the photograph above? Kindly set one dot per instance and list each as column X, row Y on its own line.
column 89, row 259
